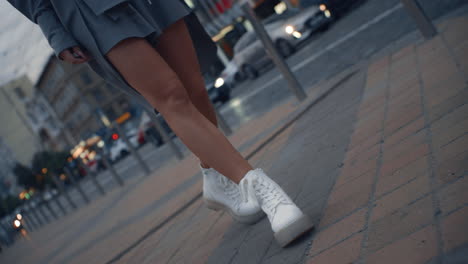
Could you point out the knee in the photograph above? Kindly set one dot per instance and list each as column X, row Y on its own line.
column 171, row 96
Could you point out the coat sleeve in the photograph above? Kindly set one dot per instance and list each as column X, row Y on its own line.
column 41, row 12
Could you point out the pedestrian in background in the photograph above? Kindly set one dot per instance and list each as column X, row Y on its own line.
column 156, row 51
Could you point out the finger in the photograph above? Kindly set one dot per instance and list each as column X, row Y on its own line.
column 78, row 51
column 68, row 56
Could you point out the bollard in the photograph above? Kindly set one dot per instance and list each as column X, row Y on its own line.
column 422, row 21
column 76, row 184
column 30, row 220
column 52, row 212
column 59, row 204
column 294, row 84
column 165, row 136
column 223, row 125
column 92, row 176
column 133, row 151
column 40, row 209
column 109, row 166
column 62, row 190
column 36, row 216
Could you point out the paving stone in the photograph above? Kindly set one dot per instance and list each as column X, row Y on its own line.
column 404, row 146
column 399, row 224
column 363, row 147
column 404, row 118
column 356, row 171
column 454, row 231
column 452, row 149
column 344, row 253
column 404, row 132
column 439, row 110
column 339, row 231
column 444, row 89
column 452, row 168
column 388, row 182
column 416, row 248
column 389, row 167
column 346, row 198
column 400, row 197
column 453, row 196
column 451, row 119
column 372, row 153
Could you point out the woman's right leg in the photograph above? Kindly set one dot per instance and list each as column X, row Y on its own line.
column 146, row 71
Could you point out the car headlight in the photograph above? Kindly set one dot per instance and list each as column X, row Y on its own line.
column 219, row 82
column 289, row 29
column 17, row 223
column 323, row 7
column 327, row 13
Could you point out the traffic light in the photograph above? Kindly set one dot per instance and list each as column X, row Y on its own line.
column 115, row 136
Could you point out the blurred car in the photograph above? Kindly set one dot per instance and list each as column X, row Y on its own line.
column 287, row 31
column 337, row 7
column 230, row 75
column 218, row 91
column 97, row 164
column 147, row 131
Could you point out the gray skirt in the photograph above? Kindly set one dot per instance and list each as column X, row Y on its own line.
column 135, row 18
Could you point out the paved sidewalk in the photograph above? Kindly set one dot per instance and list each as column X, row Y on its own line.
column 380, row 164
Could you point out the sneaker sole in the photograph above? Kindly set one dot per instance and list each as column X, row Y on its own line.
column 293, row 231
column 247, row 219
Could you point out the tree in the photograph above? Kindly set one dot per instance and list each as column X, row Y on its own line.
column 46, row 163
column 25, row 176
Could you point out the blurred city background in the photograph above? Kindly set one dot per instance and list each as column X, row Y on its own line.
column 68, row 138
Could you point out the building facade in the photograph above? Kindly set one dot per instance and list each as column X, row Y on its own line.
column 16, row 129
column 7, row 178
column 79, row 100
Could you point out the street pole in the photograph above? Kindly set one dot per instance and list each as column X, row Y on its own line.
column 52, row 212
column 62, row 191
column 37, row 218
column 165, row 136
column 59, row 204
column 92, row 176
column 223, row 125
column 422, row 21
column 76, row 184
column 278, row 60
column 133, row 151
column 111, row 168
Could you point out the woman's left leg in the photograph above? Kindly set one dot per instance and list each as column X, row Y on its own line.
column 175, row 46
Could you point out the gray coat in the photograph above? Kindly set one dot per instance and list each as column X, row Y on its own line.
column 64, row 27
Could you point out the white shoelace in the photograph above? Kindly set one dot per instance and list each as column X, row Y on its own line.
column 270, row 196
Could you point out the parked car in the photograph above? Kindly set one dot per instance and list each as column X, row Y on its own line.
column 287, row 31
column 218, row 91
column 336, row 7
column 230, row 75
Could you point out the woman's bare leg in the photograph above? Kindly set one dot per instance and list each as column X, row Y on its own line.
column 176, row 48
column 145, row 70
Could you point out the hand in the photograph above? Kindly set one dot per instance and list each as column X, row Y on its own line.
column 74, row 55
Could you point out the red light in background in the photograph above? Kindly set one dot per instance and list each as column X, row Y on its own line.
column 115, row 136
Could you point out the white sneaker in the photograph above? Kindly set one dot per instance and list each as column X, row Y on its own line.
column 287, row 220
column 220, row 193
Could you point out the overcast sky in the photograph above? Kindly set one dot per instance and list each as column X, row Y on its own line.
column 23, row 48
